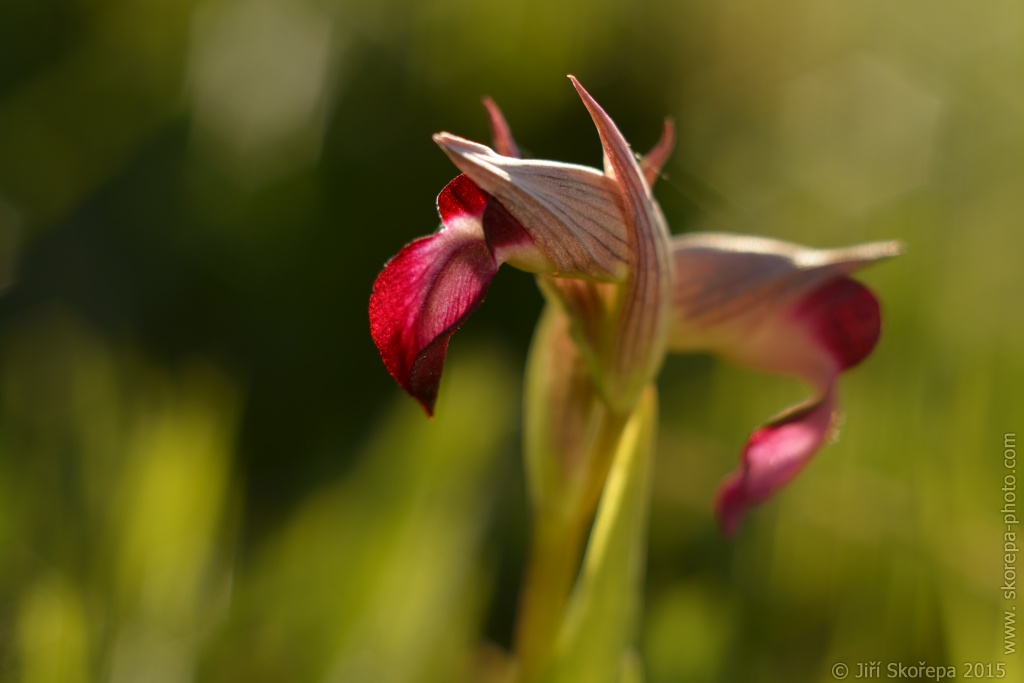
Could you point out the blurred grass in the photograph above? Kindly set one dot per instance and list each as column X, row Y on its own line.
column 135, row 574
column 204, row 472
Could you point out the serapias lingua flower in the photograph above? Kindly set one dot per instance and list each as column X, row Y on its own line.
column 600, row 246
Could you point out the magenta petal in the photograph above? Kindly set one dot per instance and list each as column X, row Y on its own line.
column 844, row 321
column 846, row 317
column 461, row 198
column 427, row 291
column 420, row 298
column 774, row 455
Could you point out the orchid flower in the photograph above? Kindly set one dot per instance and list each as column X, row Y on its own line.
column 572, row 222
column 779, row 308
column 621, row 294
column 600, row 244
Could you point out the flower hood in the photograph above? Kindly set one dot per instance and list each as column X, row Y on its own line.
column 572, row 223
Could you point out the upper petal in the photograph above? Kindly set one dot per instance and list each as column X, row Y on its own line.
column 573, row 214
column 655, row 159
column 501, row 133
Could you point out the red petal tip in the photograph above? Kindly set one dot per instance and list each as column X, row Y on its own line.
column 461, row 198
column 773, row 456
column 846, row 317
column 427, row 291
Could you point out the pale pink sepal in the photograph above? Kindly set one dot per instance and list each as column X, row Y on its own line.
column 573, row 214
column 727, row 286
column 637, row 345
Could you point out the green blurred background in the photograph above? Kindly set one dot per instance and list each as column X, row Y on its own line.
column 206, row 473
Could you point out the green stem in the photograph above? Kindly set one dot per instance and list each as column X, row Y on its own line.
column 556, row 548
column 600, row 620
column 551, row 570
